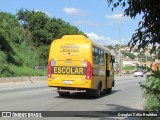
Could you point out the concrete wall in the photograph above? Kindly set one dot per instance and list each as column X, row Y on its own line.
column 22, row 79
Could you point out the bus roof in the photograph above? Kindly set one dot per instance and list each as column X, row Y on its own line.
column 74, row 36
column 106, row 50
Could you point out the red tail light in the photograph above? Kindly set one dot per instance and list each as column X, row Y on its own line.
column 49, row 69
column 89, row 71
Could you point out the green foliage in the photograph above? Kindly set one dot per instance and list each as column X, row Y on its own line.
column 43, row 28
column 151, row 91
column 129, row 68
column 14, row 71
column 130, row 55
column 152, row 103
column 43, row 52
column 9, row 34
column 25, row 40
column 27, row 55
column 25, row 71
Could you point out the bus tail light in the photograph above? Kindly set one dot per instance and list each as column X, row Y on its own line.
column 89, row 71
column 49, row 69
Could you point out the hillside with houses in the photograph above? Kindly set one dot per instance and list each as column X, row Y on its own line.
column 134, row 59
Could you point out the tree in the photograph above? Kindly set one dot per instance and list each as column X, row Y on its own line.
column 15, row 43
column 44, row 30
column 25, row 39
column 9, row 33
column 148, row 32
column 37, row 23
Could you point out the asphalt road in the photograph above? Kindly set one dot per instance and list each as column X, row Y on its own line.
column 126, row 96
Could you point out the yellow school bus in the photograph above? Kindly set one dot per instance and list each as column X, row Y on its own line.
column 77, row 64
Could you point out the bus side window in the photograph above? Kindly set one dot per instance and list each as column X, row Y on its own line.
column 101, row 57
column 96, row 55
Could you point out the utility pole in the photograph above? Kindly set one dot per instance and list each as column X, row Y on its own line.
column 120, row 55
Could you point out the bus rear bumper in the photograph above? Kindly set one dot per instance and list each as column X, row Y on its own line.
column 70, row 90
column 84, row 84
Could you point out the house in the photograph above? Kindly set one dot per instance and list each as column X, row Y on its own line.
column 130, row 62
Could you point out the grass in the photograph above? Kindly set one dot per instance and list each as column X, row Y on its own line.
column 15, row 71
column 129, row 68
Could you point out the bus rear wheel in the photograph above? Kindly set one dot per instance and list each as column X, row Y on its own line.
column 97, row 93
column 109, row 90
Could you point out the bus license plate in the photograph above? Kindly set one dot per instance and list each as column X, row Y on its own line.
column 67, row 82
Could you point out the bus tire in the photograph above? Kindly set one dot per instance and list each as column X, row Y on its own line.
column 109, row 90
column 97, row 93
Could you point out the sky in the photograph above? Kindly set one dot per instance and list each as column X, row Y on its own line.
column 94, row 17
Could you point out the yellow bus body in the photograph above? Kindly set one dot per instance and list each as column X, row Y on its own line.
column 71, row 64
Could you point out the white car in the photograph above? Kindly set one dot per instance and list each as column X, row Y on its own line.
column 138, row 73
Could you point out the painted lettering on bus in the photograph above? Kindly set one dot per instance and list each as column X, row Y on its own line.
column 69, row 50
column 69, row 70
